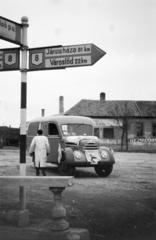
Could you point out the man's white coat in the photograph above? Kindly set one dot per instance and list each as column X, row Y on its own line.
column 40, row 146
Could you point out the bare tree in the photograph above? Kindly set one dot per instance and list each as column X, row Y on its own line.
column 121, row 112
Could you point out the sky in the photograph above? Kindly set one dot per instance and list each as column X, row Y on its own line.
column 124, row 29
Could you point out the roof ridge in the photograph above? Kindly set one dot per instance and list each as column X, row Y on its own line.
column 106, row 108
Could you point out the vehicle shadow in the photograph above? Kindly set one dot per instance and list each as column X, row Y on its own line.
column 78, row 173
column 85, row 173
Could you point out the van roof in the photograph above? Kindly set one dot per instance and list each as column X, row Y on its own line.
column 64, row 119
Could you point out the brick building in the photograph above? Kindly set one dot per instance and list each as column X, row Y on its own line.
column 124, row 125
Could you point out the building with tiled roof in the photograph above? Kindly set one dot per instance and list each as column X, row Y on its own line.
column 123, row 124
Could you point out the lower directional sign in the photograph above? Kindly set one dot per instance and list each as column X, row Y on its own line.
column 9, row 59
column 64, row 56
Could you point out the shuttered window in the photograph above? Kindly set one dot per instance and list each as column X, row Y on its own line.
column 139, row 129
column 108, row 133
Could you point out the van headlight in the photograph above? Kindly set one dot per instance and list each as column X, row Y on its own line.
column 77, row 154
column 104, row 154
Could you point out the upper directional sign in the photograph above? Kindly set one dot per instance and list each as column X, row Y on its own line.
column 64, row 56
column 9, row 59
column 10, row 31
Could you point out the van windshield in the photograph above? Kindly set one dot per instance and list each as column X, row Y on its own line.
column 77, row 129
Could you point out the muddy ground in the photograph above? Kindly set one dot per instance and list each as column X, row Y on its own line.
column 119, row 207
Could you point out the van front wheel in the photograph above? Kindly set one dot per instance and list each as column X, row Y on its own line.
column 104, row 171
column 65, row 169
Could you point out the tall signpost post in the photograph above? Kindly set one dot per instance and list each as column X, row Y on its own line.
column 23, row 112
column 54, row 57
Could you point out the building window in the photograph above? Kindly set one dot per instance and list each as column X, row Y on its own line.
column 52, row 129
column 97, row 132
column 154, row 129
column 139, row 129
column 108, row 133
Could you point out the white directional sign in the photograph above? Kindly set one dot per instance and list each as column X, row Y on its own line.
column 9, row 59
column 10, row 31
column 64, row 56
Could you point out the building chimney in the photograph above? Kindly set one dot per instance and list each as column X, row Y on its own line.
column 102, row 96
column 42, row 112
column 61, row 105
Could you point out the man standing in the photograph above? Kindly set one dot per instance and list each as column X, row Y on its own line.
column 40, row 148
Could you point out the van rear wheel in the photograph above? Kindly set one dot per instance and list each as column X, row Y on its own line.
column 65, row 169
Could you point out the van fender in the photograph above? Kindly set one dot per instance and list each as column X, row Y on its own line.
column 65, row 167
column 68, row 156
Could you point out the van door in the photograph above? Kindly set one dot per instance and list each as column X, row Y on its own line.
column 54, row 140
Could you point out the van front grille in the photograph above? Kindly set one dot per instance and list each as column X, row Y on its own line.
column 89, row 145
column 70, row 144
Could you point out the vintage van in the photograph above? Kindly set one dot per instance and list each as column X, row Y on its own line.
column 73, row 144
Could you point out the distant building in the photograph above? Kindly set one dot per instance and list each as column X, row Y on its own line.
column 124, row 125
column 9, row 136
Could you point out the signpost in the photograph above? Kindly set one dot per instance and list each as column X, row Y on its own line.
column 9, row 59
column 10, row 31
column 54, row 57
column 64, row 56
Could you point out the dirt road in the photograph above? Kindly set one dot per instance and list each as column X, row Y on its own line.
column 122, row 206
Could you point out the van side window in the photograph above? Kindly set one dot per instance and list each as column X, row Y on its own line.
column 52, row 129
column 32, row 129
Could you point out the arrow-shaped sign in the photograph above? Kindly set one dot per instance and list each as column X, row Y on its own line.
column 64, row 56
column 9, row 59
column 10, row 31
